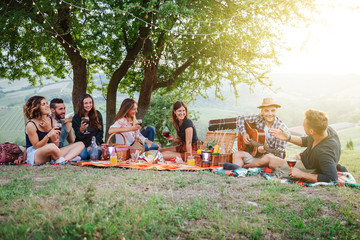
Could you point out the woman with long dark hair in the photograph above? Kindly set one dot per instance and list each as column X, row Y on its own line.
column 126, row 123
column 42, row 135
column 185, row 131
column 87, row 123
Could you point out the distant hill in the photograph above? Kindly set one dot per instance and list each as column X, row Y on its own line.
column 337, row 95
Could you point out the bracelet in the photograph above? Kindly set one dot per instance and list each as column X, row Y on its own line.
column 289, row 138
column 48, row 136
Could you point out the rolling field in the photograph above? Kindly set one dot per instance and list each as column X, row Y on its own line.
column 12, row 127
column 350, row 134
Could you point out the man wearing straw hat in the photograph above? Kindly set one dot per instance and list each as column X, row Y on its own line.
column 266, row 120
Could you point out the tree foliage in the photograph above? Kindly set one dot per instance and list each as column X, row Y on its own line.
column 145, row 46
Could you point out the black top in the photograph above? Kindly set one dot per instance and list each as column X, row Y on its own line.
column 181, row 132
column 323, row 157
column 86, row 138
column 40, row 134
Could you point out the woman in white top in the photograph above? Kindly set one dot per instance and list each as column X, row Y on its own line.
column 125, row 122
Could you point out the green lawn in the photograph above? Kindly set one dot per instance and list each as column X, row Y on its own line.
column 68, row 202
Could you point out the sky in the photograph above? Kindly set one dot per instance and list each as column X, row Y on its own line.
column 331, row 45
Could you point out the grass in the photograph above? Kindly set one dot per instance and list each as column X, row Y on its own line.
column 68, row 202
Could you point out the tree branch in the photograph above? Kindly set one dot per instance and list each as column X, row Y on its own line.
column 176, row 73
column 126, row 41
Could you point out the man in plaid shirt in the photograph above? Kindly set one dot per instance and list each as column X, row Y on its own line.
column 266, row 120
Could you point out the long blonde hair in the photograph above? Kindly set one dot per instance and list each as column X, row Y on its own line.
column 125, row 107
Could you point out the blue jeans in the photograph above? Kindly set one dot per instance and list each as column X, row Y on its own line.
column 85, row 154
column 152, row 147
column 149, row 132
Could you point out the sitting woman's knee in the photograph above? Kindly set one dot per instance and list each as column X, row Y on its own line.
column 51, row 147
column 79, row 145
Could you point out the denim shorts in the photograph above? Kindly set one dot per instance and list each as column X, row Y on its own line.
column 30, row 154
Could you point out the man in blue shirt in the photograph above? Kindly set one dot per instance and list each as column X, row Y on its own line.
column 57, row 108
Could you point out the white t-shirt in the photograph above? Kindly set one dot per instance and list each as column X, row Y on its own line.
column 129, row 136
column 267, row 134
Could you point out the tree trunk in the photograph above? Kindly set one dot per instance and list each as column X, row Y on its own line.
column 79, row 67
column 112, row 90
column 79, row 80
column 146, row 90
column 78, row 63
column 119, row 74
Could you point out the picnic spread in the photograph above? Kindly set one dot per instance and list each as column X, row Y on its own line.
column 204, row 160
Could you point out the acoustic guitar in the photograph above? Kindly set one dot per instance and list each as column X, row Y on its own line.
column 257, row 139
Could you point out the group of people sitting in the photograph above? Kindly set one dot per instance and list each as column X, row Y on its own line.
column 47, row 129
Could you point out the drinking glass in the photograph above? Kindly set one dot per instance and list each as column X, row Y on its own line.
column 291, row 162
column 86, row 120
column 58, row 126
column 139, row 122
column 166, row 133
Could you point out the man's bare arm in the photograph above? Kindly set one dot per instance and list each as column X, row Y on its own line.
column 297, row 173
column 282, row 135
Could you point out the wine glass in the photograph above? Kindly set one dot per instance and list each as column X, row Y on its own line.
column 58, row 126
column 166, row 133
column 86, row 120
column 291, row 162
column 139, row 122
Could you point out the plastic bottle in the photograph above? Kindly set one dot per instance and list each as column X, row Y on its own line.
column 94, row 154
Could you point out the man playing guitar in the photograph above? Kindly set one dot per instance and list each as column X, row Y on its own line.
column 264, row 121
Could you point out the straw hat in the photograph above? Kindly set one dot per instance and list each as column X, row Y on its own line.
column 267, row 102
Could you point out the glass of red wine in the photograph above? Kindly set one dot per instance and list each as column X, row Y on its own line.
column 166, row 133
column 291, row 162
column 85, row 120
column 58, row 126
column 139, row 122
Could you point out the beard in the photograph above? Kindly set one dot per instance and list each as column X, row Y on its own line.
column 58, row 116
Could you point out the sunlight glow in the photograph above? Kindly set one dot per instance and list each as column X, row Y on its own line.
column 330, row 45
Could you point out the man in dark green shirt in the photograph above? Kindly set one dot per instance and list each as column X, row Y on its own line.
column 322, row 151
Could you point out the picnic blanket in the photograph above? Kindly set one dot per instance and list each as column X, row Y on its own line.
column 140, row 166
column 345, row 178
column 144, row 166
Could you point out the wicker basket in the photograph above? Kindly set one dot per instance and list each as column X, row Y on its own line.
column 226, row 139
column 223, row 138
column 122, row 150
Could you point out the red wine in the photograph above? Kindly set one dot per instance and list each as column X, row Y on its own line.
column 291, row 162
column 166, row 134
column 85, row 120
column 58, row 126
column 139, row 123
